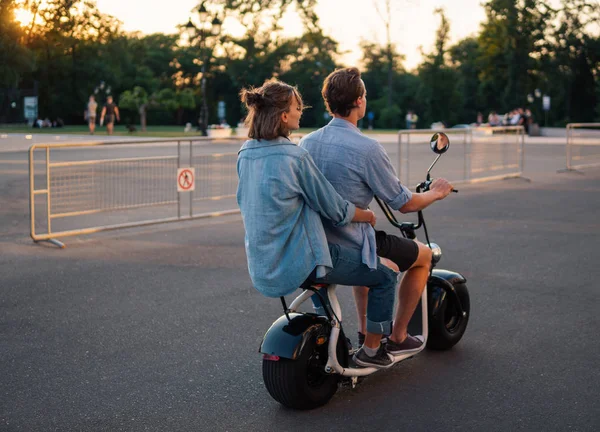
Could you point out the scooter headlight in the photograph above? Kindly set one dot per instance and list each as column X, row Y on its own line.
column 436, row 252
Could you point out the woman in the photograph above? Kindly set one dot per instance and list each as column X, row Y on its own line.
column 282, row 196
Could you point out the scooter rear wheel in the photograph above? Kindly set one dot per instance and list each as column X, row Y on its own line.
column 448, row 327
column 301, row 383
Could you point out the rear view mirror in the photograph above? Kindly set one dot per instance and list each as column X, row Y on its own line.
column 439, row 143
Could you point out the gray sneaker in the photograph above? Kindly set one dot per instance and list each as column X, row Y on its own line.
column 380, row 360
column 409, row 345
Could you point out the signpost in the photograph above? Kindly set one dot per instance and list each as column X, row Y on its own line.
column 30, row 109
column 546, row 106
column 185, row 179
column 221, row 111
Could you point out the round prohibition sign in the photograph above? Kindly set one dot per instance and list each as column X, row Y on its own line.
column 185, row 180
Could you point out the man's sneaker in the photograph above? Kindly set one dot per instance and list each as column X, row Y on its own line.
column 380, row 360
column 410, row 345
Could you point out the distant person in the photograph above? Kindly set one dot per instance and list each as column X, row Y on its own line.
column 414, row 118
column 90, row 114
column 109, row 112
column 371, row 116
column 479, row 118
column 493, row 119
column 409, row 119
column 516, row 118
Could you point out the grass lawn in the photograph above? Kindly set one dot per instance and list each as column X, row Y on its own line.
column 152, row 131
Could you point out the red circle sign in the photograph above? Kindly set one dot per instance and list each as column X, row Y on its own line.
column 186, row 179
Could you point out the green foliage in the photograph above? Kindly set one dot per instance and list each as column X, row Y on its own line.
column 439, row 91
column 391, row 118
column 133, row 99
column 523, row 45
column 465, row 57
column 511, row 43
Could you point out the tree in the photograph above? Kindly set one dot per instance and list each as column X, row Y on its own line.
column 511, row 42
column 65, row 38
column 465, row 60
column 309, row 64
column 572, row 58
column 15, row 58
column 439, row 90
column 389, row 48
column 378, row 60
column 139, row 100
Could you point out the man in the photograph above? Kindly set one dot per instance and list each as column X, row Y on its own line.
column 110, row 111
column 409, row 119
column 413, row 120
column 90, row 114
column 359, row 168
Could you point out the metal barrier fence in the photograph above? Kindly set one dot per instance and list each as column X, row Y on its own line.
column 91, row 187
column 475, row 155
column 583, row 145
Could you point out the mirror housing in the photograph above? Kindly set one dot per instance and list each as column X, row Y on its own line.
column 440, row 143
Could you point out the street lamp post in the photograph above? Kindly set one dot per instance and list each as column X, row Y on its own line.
column 208, row 28
column 538, row 95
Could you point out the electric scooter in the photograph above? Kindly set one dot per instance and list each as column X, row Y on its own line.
column 306, row 356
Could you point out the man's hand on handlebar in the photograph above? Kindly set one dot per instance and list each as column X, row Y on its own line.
column 442, row 187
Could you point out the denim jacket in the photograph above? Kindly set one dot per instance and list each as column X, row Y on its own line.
column 282, row 196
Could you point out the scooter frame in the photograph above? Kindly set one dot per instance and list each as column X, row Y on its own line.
column 333, row 365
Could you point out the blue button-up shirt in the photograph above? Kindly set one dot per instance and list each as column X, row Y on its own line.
column 358, row 167
column 282, row 196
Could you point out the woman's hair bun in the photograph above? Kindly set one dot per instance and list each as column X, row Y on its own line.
column 252, row 98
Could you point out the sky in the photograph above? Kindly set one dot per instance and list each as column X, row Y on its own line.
column 347, row 21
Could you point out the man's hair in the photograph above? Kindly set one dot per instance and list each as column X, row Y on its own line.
column 341, row 89
column 265, row 106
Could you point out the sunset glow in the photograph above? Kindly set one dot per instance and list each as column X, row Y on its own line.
column 23, row 17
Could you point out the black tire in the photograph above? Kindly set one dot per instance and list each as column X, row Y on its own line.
column 301, row 383
column 448, row 327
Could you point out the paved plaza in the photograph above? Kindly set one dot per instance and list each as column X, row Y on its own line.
column 157, row 328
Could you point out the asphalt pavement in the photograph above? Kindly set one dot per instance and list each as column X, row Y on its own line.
column 157, row 329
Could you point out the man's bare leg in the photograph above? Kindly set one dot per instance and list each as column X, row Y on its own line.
column 411, row 287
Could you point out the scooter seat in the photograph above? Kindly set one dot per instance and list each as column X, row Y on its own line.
column 307, row 284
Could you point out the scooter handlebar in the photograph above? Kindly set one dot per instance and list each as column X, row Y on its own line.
column 426, row 185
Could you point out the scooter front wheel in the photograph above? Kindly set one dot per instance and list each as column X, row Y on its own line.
column 448, row 327
column 301, row 383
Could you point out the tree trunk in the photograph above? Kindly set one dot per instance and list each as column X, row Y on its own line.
column 143, row 117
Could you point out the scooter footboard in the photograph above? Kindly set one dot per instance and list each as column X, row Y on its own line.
column 286, row 338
